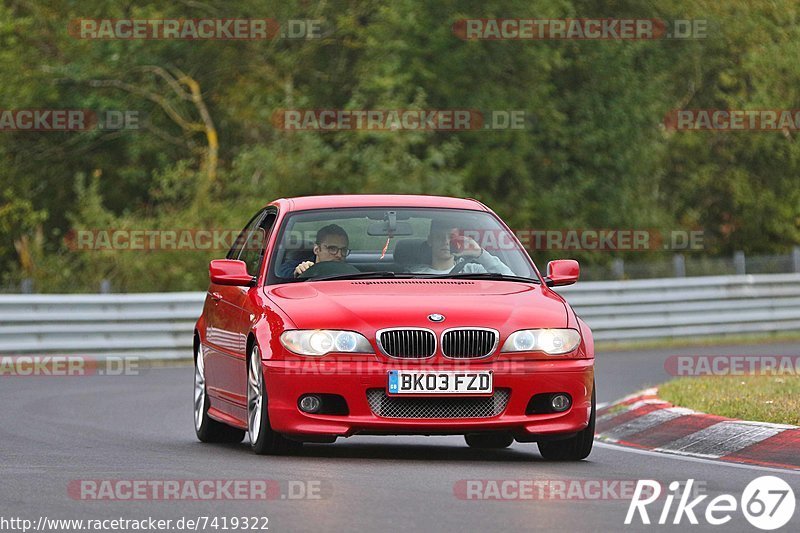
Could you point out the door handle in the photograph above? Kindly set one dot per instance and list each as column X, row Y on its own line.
column 215, row 296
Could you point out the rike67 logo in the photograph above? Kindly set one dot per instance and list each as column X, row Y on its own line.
column 767, row 502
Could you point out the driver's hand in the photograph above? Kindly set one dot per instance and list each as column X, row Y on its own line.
column 471, row 248
column 302, row 267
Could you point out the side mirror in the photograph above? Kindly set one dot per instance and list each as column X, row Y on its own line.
column 229, row 272
column 562, row 272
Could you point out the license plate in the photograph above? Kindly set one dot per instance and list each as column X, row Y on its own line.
column 409, row 382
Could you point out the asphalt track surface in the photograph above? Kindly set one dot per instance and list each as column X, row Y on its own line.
column 55, row 430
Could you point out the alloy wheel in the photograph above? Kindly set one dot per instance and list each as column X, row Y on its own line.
column 255, row 400
column 199, row 388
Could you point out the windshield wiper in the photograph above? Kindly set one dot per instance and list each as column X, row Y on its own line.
column 489, row 275
column 359, row 275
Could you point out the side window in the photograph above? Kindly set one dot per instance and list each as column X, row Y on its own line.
column 238, row 244
column 255, row 244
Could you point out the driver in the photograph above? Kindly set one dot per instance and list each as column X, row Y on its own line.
column 443, row 260
column 331, row 244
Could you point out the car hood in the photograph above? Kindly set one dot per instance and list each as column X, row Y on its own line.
column 371, row 305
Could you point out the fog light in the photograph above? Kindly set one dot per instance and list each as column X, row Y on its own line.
column 310, row 403
column 560, row 402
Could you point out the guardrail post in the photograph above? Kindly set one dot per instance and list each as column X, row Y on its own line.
column 105, row 287
column 738, row 263
column 679, row 265
column 796, row 259
column 26, row 286
column 618, row 269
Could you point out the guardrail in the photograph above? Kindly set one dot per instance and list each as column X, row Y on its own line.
column 160, row 325
column 687, row 307
column 155, row 326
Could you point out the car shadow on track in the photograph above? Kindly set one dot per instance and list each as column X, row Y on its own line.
column 416, row 452
column 519, row 453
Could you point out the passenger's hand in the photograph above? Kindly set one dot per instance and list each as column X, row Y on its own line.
column 471, row 248
column 302, row 267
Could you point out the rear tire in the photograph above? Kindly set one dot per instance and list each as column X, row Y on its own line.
column 206, row 428
column 488, row 441
column 575, row 448
column 263, row 440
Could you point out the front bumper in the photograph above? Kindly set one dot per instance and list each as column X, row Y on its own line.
column 287, row 380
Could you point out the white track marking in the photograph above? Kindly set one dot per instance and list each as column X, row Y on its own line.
column 718, row 462
column 641, row 423
column 630, row 407
column 721, row 439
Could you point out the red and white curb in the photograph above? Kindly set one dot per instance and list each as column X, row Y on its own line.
column 644, row 421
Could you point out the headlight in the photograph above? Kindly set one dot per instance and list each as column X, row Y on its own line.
column 322, row 341
column 549, row 341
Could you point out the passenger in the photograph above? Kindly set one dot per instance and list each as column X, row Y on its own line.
column 443, row 260
column 331, row 244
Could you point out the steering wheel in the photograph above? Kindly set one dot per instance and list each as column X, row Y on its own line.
column 328, row 268
column 461, row 266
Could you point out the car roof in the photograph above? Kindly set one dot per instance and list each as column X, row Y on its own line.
column 377, row 200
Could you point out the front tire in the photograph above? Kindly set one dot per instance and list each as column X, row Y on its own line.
column 575, row 448
column 206, row 428
column 263, row 440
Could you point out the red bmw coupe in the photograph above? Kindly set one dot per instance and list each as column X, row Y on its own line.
column 334, row 316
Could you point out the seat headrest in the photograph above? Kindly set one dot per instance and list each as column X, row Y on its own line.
column 304, row 253
column 412, row 252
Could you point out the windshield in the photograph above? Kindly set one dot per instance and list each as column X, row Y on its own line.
column 402, row 242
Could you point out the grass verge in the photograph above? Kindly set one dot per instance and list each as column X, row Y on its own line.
column 715, row 340
column 760, row 398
